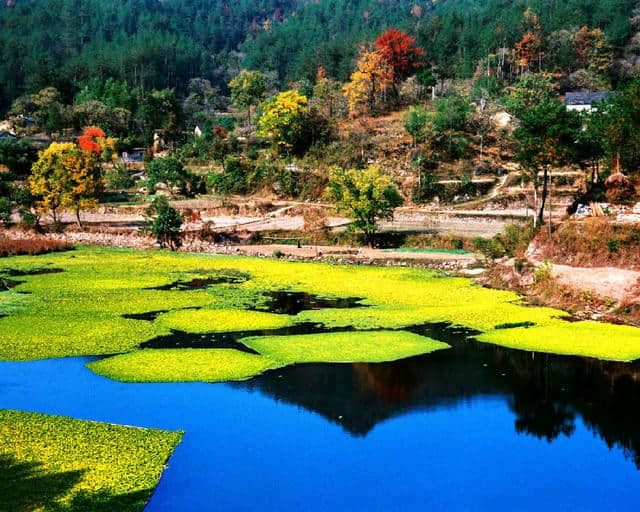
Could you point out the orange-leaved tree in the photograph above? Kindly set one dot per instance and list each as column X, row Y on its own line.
column 370, row 79
column 93, row 140
column 90, row 139
column 528, row 50
column 398, row 49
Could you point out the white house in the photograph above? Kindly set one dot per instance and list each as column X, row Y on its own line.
column 580, row 101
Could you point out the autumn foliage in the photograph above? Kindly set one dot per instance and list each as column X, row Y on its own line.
column 90, row 140
column 30, row 244
column 370, row 79
column 398, row 49
column 65, row 177
column 528, row 49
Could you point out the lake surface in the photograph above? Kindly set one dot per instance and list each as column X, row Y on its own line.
column 473, row 427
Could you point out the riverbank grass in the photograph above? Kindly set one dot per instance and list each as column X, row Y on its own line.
column 54, row 463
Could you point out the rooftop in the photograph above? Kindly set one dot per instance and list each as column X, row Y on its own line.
column 585, row 98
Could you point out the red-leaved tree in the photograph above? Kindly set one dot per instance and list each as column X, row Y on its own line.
column 399, row 51
column 89, row 140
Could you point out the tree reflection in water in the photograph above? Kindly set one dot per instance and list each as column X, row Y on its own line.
column 545, row 392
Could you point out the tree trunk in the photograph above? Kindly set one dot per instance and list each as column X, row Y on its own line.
column 550, row 201
column 535, row 205
column 543, row 199
column 54, row 216
column 370, row 236
column 78, row 216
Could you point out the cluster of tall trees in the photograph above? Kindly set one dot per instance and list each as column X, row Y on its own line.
column 153, row 44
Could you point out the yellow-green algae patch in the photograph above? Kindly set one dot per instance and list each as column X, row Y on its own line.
column 79, row 311
column 58, row 463
column 622, row 343
column 221, row 320
column 344, row 347
column 183, row 365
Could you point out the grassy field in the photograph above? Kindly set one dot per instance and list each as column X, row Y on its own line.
column 53, row 463
column 79, row 311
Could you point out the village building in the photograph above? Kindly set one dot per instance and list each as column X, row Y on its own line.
column 581, row 101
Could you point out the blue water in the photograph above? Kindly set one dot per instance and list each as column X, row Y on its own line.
column 479, row 428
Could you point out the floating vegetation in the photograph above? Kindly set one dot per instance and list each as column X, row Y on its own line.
column 183, row 365
column 220, row 320
column 80, row 311
column 344, row 347
column 58, row 463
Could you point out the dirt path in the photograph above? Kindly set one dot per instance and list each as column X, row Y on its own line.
column 463, row 223
column 616, row 283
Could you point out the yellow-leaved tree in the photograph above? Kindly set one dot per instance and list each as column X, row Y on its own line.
column 283, row 120
column 369, row 82
column 366, row 196
column 65, row 177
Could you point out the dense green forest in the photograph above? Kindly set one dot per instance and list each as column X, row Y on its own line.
column 159, row 44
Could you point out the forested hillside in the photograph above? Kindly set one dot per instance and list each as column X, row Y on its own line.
column 157, row 44
column 455, row 33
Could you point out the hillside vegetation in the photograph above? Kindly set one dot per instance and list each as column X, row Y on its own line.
column 158, row 44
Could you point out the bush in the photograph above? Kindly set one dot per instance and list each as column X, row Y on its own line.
column 118, row 178
column 169, row 170
column 226, row 122
column 31, row 245
column 166, row 222
column 619, row 189
column 415, row 122
column 542, row 274
column 18, row 155
column 6, row 208
column 511, row 242
column 612, row 244
column 238, row 177
column 200, row 149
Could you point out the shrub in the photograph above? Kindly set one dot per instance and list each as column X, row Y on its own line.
column 415, row 122
column 165, row 222
column 619, row 189
column 6, row 208
column 118, row 178
column 30, row 245
column 169, row 170
column 236, row 178
column 542, row 274
column 612, row 244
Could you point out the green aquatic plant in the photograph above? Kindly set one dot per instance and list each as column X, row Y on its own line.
column 183, row 365
column 221, row 320
column 344, row 347
column 80, row 310
column 573, row 338
column 56, row 463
